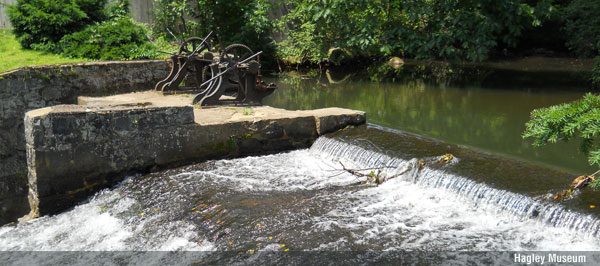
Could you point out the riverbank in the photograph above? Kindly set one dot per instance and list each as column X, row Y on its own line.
column 529, row 73
column 14, row 56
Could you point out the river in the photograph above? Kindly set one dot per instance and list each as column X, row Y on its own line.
column 484, row 107
column 493, row 194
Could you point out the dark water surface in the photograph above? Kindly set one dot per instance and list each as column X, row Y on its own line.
column 484, row 108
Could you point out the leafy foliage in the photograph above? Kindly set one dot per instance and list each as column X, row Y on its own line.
column 448, row 29
column 117, row 38
column 595, row 185
column 81, row 28
column 596, row 71
column 582, row 27
column 42, row 23
column 94, row 9
column 168, row 17
column 234, row 21
column 309, row 30
column 119, row 8
column 566, row 121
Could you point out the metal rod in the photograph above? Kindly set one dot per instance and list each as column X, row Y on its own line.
column 188, row 57
column 195, row 50
column 200, row 45
column 228, row 69
column 165, row 52
column 176, row 39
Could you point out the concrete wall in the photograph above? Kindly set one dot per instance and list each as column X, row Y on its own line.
column 141, row 10
column 74, row 150
column 30, row 88
column 4, row 22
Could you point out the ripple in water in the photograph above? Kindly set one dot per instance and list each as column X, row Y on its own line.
column 301, row 200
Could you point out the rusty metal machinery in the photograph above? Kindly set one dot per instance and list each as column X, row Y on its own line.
column 233, row 73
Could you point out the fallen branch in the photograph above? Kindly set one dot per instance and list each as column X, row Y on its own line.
column 578, row 183
column 377, row 178
column 354, row 172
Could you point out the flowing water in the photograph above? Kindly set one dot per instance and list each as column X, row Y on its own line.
column 482, row 107
column 304, row 203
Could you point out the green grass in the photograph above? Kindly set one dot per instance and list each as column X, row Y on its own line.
column 13, row 56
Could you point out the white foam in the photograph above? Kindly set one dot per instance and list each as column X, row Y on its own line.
column 94, row 226
column 87, row 227
column 295, row 170
column 401, row 214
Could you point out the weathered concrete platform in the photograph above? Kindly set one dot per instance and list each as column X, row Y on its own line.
column 29, row 88
column 75, row 150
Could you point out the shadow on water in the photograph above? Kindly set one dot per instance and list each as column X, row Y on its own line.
column 481, row 106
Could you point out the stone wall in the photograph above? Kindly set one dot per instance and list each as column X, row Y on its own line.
column 30, row 88
column 74, row 150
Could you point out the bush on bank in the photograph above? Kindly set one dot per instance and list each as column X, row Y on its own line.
column 306, row 31
column 80, row 28
column 232, row 21
column 117, row 38
column 42, row 23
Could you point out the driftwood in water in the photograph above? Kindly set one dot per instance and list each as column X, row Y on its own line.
column 582, row 181
column 379, row 179
column 577, row 183
column 370, row 177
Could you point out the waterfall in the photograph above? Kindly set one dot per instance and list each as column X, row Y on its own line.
column 479, row 194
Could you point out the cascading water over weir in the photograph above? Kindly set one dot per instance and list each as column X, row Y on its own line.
column 302, row 203
column 479, row 194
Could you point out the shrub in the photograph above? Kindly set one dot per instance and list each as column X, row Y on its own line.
column 582, row 27
column 115, row 39
column 447, row 29
column 596, row 71
column 234, row 21
column 118, row 8
column 94, row 9
column 42, row 23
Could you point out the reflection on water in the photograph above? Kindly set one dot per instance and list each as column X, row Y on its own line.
column 488, row 112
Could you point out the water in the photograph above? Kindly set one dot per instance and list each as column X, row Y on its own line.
column 303, row 201
column 302, row 207
column 484, row 107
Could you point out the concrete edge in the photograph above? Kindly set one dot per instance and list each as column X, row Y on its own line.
column 74, row 151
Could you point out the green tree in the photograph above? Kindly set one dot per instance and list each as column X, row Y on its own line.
column 578, row 119
column 582, row 27
column 596, row 71
column 423, row 29
column 42, row 23
column 81, row 28
column 234, row 21
column 114, row 39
